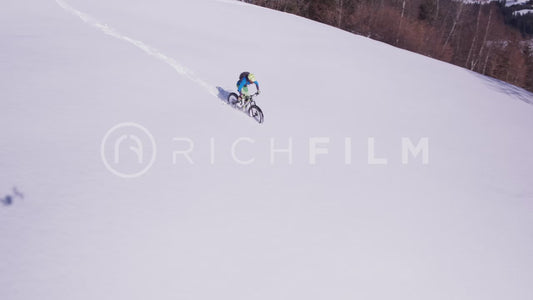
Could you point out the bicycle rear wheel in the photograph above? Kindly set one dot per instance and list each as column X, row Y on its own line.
column 233, row 98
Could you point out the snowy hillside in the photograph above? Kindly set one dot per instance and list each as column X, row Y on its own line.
column 507, row 3
column 378, row 173
column 515, row 2
column 523, row 12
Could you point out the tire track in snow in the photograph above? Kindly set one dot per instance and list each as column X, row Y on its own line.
column 139, row 44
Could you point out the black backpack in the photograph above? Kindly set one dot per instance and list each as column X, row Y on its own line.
column 243, row 75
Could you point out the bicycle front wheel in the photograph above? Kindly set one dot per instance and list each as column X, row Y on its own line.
column 256, row 113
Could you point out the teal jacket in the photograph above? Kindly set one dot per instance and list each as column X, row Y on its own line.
column 244, row 82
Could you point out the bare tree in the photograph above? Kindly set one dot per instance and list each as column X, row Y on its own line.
column 474, row 39
column 340, row 9
column 401, row 23
column 455, row 21
column 437, row 4
column 483, row 44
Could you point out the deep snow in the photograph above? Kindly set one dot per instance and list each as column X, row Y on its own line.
column 458, row 227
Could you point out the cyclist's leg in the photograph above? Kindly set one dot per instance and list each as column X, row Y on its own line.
column 244, row 94
column 245, row 91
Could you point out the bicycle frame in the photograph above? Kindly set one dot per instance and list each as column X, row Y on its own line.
column 248, row 101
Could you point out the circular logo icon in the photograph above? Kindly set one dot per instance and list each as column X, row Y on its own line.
column 128, row 150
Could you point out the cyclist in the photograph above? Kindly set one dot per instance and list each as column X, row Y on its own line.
column 246, row 79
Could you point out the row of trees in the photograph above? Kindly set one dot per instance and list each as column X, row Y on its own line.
column 471, row 35
column 523, row 22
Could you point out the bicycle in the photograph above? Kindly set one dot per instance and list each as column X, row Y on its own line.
column 247, row 105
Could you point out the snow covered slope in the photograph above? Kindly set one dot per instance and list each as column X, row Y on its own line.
column 515, row 2
column 244, row 221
